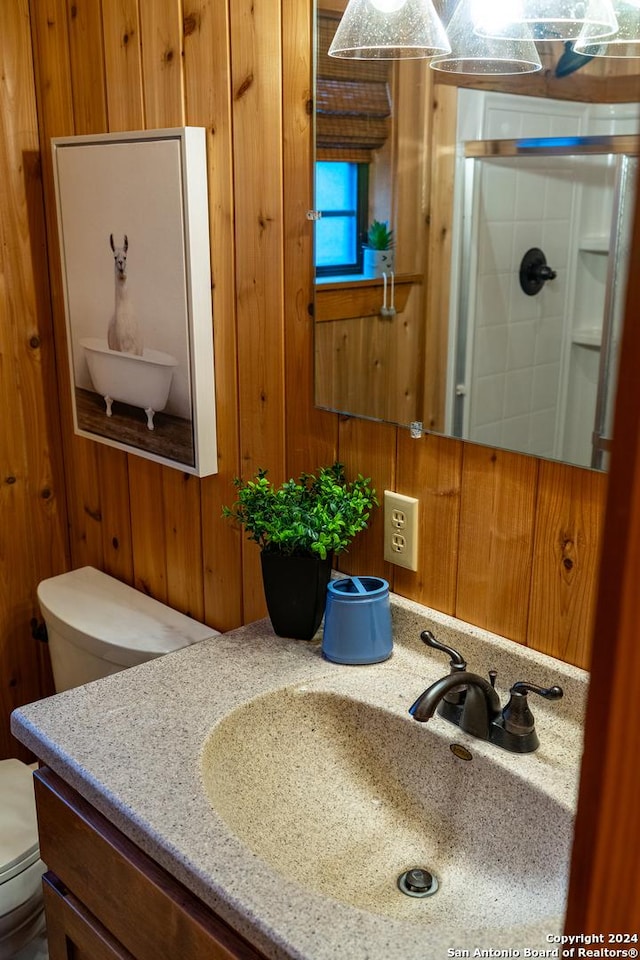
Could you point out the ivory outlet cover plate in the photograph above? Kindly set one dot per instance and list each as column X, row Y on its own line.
column 401, row 530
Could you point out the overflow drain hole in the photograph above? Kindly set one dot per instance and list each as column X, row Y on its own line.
column 418, row 882
column 460, row 752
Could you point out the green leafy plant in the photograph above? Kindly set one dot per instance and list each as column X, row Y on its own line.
column 380, row 237
column 310, row 516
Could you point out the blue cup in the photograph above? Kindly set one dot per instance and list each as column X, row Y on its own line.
column 357, row 621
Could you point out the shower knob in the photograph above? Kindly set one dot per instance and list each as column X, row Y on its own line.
column 535, row 271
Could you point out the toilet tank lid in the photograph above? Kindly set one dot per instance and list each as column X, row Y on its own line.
column 113, row 620
column 18, row 824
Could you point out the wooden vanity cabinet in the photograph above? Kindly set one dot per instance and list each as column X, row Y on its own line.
column 107, row 900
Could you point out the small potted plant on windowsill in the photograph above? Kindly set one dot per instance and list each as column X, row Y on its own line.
column 299, row 526
column 378, row 250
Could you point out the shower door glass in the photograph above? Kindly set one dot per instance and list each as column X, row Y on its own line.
column 621, row 235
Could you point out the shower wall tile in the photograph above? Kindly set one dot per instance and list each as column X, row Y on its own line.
column 545, row 386
column 487, row 400
column 491, row 350
column 521, row 307
column 518, row 338
column 548, row 340
column 542, row 431
column 493, row 298
column 499, row 190
column 513, row 430
column 521, row 345
column 518, row 392
column 555, row 236
column 558, row 198
column 530, row 191
column 495, row 247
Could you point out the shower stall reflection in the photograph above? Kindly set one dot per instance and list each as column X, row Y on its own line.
column 534, row 370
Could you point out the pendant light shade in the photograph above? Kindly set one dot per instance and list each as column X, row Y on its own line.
column 624, row 43
column 546, row 19
column 475, row 54
column 389, row 30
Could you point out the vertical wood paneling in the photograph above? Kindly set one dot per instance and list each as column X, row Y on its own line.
column 441, row 184
column 185, row 586
column 146, row 493
column 497, row 515
column 26, row 297
column 91, row 93
column 175, row 527
column 90, row 116
column 123, row 64
column 412, row 94
column 113, row 468
column 312, row 434
column 161, row 35
column 207, row 77
column 368, row 448
column 257, row 119
column 257, row 127
column 54, row 90
column 123, row 81
column 183, row 541
column 15, row 500
column 430, row 469
column 32, row 503
column 87, row 66
column 569, row 521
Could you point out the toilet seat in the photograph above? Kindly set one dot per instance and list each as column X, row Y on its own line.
column 19, row 851
column 18, row 823
column 20, row 866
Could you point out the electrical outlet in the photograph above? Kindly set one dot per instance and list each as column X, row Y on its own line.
column 401, row 530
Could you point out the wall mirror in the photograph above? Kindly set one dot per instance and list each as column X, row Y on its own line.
column 512, row 339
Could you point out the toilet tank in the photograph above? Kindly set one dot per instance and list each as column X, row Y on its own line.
column 97, row 625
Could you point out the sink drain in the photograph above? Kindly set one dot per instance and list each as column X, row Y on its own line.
column 418, row 882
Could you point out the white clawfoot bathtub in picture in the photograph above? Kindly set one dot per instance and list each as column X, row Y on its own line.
column 141, row 381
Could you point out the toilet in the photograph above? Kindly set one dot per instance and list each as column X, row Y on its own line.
column 96, row 626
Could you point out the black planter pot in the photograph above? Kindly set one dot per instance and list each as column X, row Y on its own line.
column 295, row 589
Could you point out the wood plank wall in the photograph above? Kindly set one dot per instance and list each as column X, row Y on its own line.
column 32, row 502
column 507, row 542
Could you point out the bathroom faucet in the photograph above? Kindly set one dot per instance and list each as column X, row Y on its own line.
column 471, row 703
column 480, row 706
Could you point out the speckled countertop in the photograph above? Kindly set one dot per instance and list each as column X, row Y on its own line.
column 143, row 745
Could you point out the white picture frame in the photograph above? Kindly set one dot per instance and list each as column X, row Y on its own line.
column 133, row 226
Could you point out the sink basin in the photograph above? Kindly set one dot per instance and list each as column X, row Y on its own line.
column 340, row 797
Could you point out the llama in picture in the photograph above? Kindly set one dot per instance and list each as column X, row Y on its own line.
column 124, row 332
column 120, row 368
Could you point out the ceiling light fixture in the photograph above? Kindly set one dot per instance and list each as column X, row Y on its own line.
column 475, row 54
column 624, row 43
column 488, row 37
column 546, row 19
column 389, row 30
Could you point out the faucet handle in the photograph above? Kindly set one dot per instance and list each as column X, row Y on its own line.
column 456, row 697
column 457, row 660
column 517, row 716
column 550, row 693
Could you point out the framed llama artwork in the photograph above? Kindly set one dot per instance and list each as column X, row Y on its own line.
column 134, row 240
